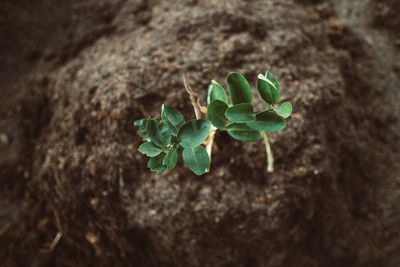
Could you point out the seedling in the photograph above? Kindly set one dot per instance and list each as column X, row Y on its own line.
column 172, row 137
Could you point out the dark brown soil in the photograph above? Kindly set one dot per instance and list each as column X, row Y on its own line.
column 76, row 74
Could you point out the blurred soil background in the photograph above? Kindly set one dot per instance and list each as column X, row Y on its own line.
column 74, row 75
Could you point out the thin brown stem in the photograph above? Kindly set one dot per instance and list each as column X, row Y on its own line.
column 194, row 98
column 200, row 113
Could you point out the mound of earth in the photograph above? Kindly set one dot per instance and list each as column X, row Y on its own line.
column 69, row 159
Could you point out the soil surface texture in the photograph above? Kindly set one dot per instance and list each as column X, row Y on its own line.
column 75, row 191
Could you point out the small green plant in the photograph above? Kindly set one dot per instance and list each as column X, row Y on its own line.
column 172, row 137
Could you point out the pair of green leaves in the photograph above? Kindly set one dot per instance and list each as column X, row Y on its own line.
column 172, row 137
column 245, row 124
column 269, row 89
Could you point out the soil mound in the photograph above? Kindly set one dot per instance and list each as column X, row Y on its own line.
column 72, row 164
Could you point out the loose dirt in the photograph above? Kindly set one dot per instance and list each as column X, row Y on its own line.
column 75, row 75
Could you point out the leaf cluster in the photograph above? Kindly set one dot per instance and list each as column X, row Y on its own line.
column 240, row 120
column 170, row 138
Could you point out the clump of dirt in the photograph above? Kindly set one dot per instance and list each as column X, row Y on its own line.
column 385, row 16
column 76, row 169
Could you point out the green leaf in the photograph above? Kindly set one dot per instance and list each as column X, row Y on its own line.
column 216, row 113
column 159, row 133
column 196, row 158
column 171, row 158
column 156, row 164
column 216, row 91
column 240, row 113
column 142, row 127
column 267, row 90
column 173, row 118
column 149, row 149
column 284, row 110
column 239, row 88
column 267, row 121
column 193, row 133
column 272, row 78
column 242, row 132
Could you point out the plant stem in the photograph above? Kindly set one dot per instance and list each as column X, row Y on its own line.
column 270, row 157
column 200, row 113
column 210, row 140
column 194, row 98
